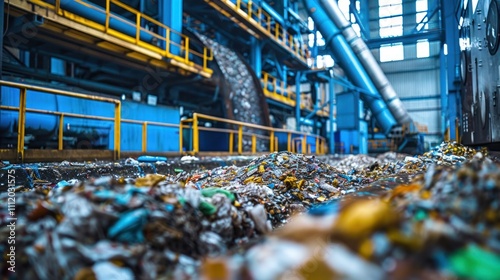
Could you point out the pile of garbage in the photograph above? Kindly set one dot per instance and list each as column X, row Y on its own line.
column 443, row 225
column 285, row 183
column 143, row 227
column 163, row 226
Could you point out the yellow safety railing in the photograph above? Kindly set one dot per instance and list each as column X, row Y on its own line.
column 267, row 133
column 382, row 144
column 144, row 131
column 23, row 91
column 160, row 44
column 268, row 25
column 276, row 89
column 116, row 119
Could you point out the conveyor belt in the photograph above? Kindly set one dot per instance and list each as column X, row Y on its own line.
column 247, row 102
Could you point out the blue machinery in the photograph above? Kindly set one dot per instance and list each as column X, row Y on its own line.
column 284, row 28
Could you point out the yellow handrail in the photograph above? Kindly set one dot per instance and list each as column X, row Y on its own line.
column 272, row 28
column 285, row 94
column 116, row 118
column 192, row 125
column 206, row 55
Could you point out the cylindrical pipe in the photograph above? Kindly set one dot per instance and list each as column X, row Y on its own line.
column 272, row 12
column 352, row 67
column 370, row 64
column 93, row 12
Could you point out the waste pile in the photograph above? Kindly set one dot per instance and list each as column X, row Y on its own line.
column 125, row 227
column 444, row 225
column 164, row 226
column 246, row 100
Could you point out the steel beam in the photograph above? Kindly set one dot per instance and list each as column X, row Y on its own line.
column 171, row 16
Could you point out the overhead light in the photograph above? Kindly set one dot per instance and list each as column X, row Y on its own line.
column 152, row 99
column 136, row 96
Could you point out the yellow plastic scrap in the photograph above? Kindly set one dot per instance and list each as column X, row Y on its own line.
column 321, row 198
column 261, row 168
column 404, row 189
column 366, row 248
column 85, row 273
column 215, row 269
column 321, row 270
column 301, row 183
column 149, row 180
column 425, row 194
column 248, row 180
column 362, row 218
column 411, row 242
column 290, row 181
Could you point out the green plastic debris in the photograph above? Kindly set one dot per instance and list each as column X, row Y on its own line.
column 207, row 208
column 178, row 170
column 209, row 192
column 420, row 215
column 475, row 263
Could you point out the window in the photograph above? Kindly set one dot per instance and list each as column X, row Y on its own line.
column 324, row 61
column 422, row 48
column 320, row 41
column 421, row 8
column 391, row 52
column 344, row 7
column 390, row 18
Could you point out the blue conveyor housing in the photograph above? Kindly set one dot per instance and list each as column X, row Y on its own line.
column 353, row 68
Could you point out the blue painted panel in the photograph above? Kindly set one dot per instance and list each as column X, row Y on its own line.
column 347, row 112
column 160, row 139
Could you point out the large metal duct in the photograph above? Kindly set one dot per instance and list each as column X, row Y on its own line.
column 371, row 66
column 351, row 65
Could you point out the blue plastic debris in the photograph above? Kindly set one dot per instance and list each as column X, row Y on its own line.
column 151, row 159
column 62, row 184
column 129, row 227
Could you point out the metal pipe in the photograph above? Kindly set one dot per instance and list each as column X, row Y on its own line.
column 96, row 13
column 351, row 65
column 272, row 12
column 89, row 85
column 369, row 63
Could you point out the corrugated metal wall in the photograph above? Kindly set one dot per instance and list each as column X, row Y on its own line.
column 417, row 83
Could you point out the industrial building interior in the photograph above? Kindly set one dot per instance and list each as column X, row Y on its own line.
column 379, row 113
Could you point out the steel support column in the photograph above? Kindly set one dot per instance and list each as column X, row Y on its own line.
column 171, row 15
column 1, row 40
column 256, row 56
column 443, row 76
column 331, row 102
column 298, row 78
column 452, row 63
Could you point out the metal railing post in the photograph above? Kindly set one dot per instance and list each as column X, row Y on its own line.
column 144, row 136
column 231, row 143
column 317, row 146
column 196, row 140
column 254, row 143
column 240, row 139
column 21, row 124
column 181, row 130
column 137, row 27
column 106, row 24
column 60, row 133
column 304, row 144
column 271, row 141
column 186, row 55
column 289, row 142
column 118, row 108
